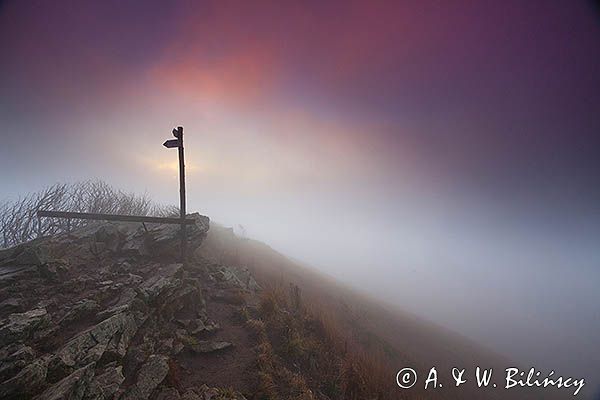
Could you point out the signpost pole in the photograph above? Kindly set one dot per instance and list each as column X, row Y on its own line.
column 169, row 144
column 182, row 212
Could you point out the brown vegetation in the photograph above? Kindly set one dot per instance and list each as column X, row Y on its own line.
column 19, row 222
column 344, row 344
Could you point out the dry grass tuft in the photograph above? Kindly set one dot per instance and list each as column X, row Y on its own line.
column 270, row 301
column 173, row 378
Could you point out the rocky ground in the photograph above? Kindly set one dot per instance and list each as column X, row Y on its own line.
column 105, row 312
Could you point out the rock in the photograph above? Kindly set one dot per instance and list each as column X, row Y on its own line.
column 239, row 277
column 231, row 296
column 12, row 305
column 80, row 310
column 157, row 285
column 166, row 346
column 13, row 358
column 46, row 303
column 137, row 245
column 112, row 335
column 12, row 272
column 150, row 375
column 206, row 346
column 188, row 295
column 134, row 279
column 93, row 392
column 78, row 284
column 20, row 326
column 169, row 293
column 52, row 270
column 121, row 267
column 27, row 382
column 23, row 258
column 29, row 254
column 207, row 392
column 177, row 348
column 136, row 356
column 197, row 325
column 132, row 239
column 105, row 385
column 110, row 236
column 73, row 387
column 128, row 302
column 44, row 333
column 6, row 254
column 168, row 394
column 191, row 394
column 165, row 239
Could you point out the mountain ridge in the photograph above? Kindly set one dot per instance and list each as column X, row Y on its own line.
column 105, row 312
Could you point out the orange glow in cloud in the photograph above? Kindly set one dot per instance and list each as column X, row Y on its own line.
column 237, row 78
column 227, row 72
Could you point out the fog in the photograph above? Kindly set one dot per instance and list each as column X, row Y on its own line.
column 517, row 273
column 516, row 277
column 525, row 291
column 440, row 156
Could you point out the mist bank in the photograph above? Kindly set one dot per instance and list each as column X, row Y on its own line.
column 527, row 293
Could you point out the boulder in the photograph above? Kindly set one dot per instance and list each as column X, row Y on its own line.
column 166, row 239
column 191, row 394
column 168, row 394
column 137, row 244
column 110, row 237
column 196, row 326
column 20, row 326
column 112, row 335
column 12, row 305
column 80, row 310
column 134, row 279
column 150, row 375
column 188, row 295
column 25, row 254
column 237, row 277
column 73, row 387
column 207, row 346
column 134, row 240
column 230, row 296
column 105, row 385
column 27, row 382
column 13, row 358
column 53, row 270
column 21, row 260
column 136, row 356
column 13, row 272
column 157, row 285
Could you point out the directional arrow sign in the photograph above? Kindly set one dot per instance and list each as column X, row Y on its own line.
column 172, row 143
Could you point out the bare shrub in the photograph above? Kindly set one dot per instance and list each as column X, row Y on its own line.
column 19, row 222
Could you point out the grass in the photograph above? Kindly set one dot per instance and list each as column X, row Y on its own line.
column 173, row 378
column 302, row 351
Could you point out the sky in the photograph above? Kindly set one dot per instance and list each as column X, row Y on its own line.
column 441, row 156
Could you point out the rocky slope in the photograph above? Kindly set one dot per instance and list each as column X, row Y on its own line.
column 105, row 313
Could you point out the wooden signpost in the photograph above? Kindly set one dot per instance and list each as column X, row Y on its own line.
column 178, row 142
column 182, row 220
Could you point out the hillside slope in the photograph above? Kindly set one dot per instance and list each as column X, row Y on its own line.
column 392, row 338
column 105, row 312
